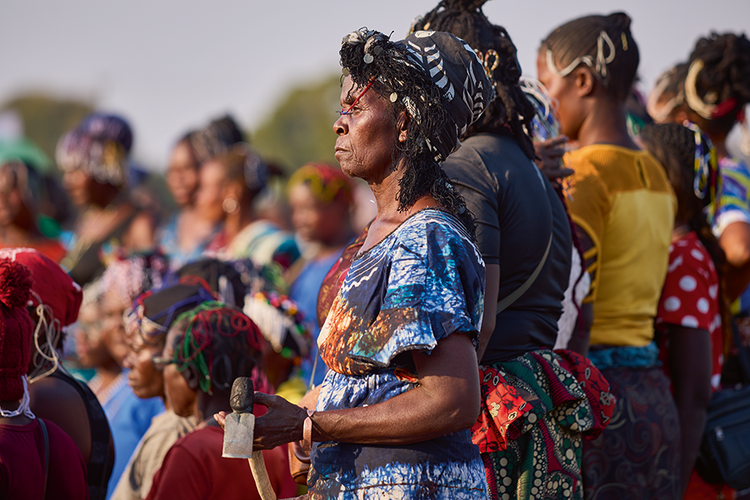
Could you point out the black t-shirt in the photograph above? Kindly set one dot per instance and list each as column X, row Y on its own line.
column 516, row 209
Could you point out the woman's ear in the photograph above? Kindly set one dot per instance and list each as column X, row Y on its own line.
column 191, row 378
column 584, row 81
column 402, row 124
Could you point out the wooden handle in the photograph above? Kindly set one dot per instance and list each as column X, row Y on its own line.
column 260, row 474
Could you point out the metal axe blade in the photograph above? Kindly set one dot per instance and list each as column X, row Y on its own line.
column 239, row 432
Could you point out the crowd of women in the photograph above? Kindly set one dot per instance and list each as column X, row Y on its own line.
column 540, row 305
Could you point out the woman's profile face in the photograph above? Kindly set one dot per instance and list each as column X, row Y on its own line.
column 182, row 176
column 143, row 377
column 180, row 396
column 11, row 201
column 78, row 185
column 366, row 133
column 314, row 220
column 210, row 194
column 113, row 327
column 562, row 89
column 90, row 347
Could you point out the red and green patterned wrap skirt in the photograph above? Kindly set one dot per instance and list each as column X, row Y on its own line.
column 536, row 410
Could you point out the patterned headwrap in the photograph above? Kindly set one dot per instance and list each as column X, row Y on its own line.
column 220, row 344
column 326, row 183
column 154, row 311
column 99, row 145
column 447, row 62
column 132, row 276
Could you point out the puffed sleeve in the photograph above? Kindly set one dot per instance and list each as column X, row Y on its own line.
column 434, row 287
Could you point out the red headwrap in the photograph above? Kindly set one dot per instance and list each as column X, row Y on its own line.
column 52, row 284
column 15, row 328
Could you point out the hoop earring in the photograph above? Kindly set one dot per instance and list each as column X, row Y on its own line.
column 230, row 205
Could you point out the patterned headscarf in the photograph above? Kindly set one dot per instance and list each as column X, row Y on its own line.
column 447, row 61
column 154, row 311
column 326, row 183
column 99, row 145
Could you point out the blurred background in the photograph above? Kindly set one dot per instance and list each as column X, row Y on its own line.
column 168, row 65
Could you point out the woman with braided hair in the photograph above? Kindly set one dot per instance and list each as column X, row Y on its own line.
column 623, row 208
column 148, row 320
column 693, row 313
column 392, row 417
column 715, row 88
column 205, row 350
column 494, row 170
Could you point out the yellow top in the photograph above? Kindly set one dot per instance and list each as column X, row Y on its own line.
column 622, row 200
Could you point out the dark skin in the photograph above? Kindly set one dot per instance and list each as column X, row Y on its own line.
column 447, row 397
column 328, row 225
column 17, row 221
column 59, row 402
column 550, row 158
column 690, row 370
column 587, row 115
column 143, row 377
column 102, row 216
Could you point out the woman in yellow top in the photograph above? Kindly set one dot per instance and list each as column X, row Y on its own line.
column 623, row 208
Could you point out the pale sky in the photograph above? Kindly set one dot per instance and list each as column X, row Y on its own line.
column 170, row 65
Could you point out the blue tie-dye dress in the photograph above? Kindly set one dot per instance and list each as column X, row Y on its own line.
column 423, row 282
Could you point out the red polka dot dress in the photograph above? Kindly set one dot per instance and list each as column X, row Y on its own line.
column 690, row 298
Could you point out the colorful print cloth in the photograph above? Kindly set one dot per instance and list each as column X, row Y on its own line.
column 691, row 299
column 420, row 284
column 638, row 454
column 535, row 411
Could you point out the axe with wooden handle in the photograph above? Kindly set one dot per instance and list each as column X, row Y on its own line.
column 239, row 433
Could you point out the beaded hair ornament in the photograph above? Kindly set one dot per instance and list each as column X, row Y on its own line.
column 147, row 327
column 281, row 323
column 206, row 323
column 544, row 125
column 707, row 179
column 599, row 65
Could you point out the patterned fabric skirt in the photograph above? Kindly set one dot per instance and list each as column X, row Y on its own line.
column 536, row 410
column 638, row 454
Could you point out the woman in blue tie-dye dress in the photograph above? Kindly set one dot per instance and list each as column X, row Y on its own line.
column 392, row 417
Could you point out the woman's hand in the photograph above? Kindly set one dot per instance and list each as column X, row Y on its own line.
column 550, row 153
column 281, row 424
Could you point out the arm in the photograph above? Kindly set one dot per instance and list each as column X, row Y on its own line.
column 550, row 158
column 690, row 370
column 580, row 340
column 735, row 241
column 491, row 289
column 446, row 400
